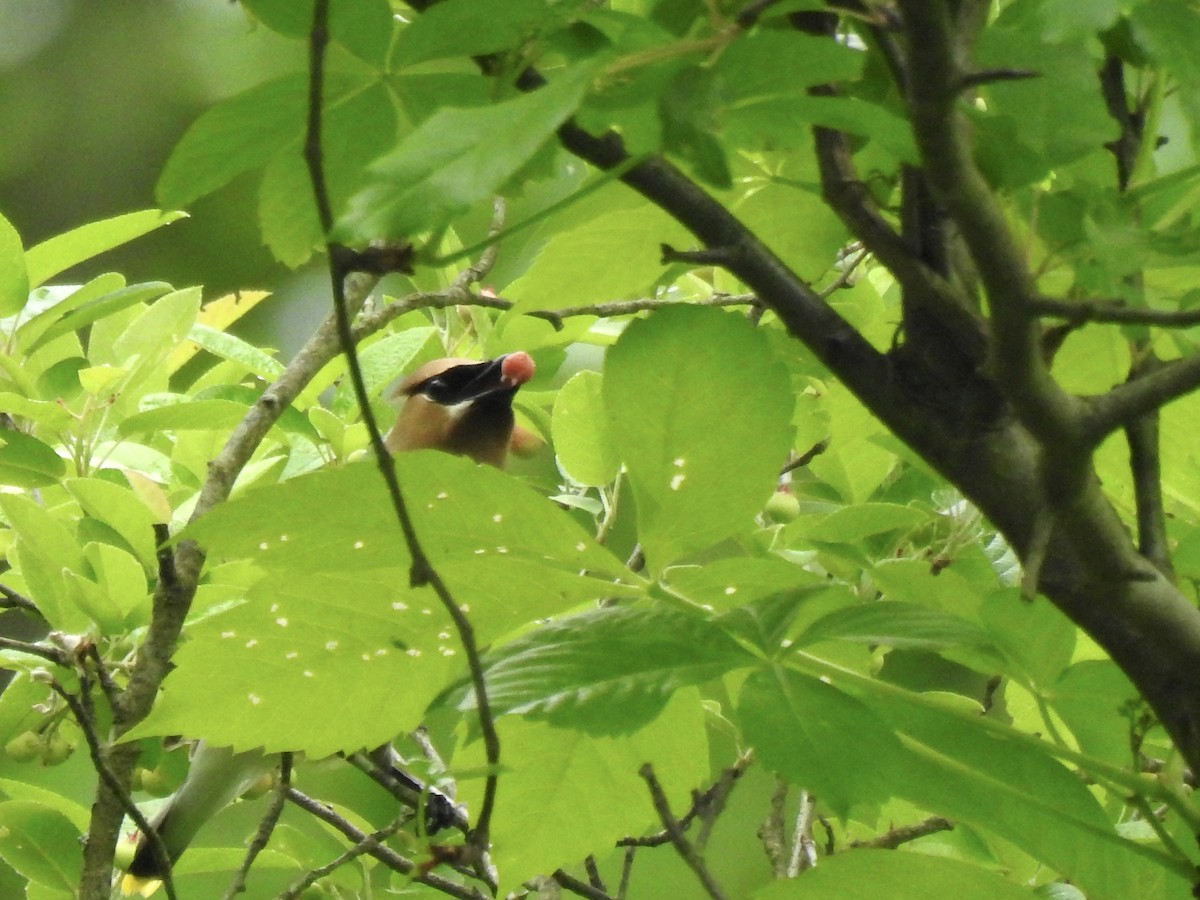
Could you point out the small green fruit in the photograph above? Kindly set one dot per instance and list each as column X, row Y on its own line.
column 25, row 747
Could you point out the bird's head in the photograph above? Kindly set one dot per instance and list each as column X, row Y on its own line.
column 461, row 406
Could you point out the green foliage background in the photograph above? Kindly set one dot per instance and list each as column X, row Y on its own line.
column 854, row 636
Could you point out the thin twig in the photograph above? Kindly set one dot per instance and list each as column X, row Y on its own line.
column 383, row 854
column 366, row 845
column 10, row 599
column 894, row 837
column 804, row 851
column 626, row 872
column 671, row 825
column 423, row 571
column 265, row 827
column 770, row 832
column 81, row 710
column 582, row 888
column 703, row 802
column 50, row 654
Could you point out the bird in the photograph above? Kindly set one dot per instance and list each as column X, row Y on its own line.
column 459, row 406
column 463, row 407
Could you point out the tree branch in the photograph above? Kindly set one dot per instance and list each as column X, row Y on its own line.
column 1111, row 312
column 266, row 827
column 1123, row 404
column 674, row 831
column 423, row 571
column 894, row 837
column 942, row 136
column 385, row 855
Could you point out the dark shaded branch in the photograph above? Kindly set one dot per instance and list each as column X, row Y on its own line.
column 850, row 198
column 50, row 654
column 10, row 599
column 980, row 77
column 1123, row 404
column 1111, row 312
column 423, row 571
column 941, row 131
column 1142, row 435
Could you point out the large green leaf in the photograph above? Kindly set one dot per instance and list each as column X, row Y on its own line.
column 243, row 133
column 576, row 267
column 59, row 253
column 700, row 410
column 318, row 662
column 860, row 874
column 24, row 460
column 609, row 670
column 334, row 624
column 457, row 158
column 581, row 440
column 41, row 844
column 564, row 795
column 364, row 27
column 14, row 275
column 69, row 317
column 972, row 770
column 894, row 624
column 819, row 737
column 507, row 552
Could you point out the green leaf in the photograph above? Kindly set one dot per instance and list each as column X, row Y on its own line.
column 280, row 670
column 1035, row 635
column 580, row 428
column 966, row 768
column 119, row 508
column 460, row 28
column 364, row 27
column 99, row 308
column 701, row 412
column 243, row 133
column 160, row 327
column 231, row 347
column 43, row 530
column 41, row 844
column 858, row 875
column 76, row 813
column 382, row 363
column 59, row 253
column 853, row 523
column 608, row 671
column 25, row 461
column 552, row 776
column 894, row 624
column 188, row 415
column 575, row 267
column 14, row 275
column 356, row 130
column 456, row 158
column 508, row 553
column 1094, row 697
column 818, row 737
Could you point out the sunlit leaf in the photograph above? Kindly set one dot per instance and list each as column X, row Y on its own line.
column 457, row 158
column 58, row 253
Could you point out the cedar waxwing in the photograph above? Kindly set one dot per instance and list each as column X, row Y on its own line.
column 457, row 405
column 461, row 406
